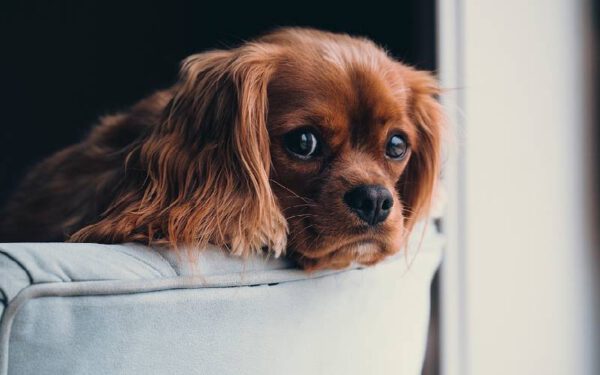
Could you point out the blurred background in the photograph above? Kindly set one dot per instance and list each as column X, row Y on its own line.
column 518, row 290
column 64, row 64
column 520, row 276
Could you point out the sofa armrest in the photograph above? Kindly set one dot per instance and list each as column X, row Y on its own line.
column 125, row 309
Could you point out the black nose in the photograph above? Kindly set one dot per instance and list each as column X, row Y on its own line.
column 372, row 203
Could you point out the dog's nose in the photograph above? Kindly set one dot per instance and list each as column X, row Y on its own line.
column 372, row 203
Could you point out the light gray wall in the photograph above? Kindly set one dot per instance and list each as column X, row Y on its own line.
column 518, row 291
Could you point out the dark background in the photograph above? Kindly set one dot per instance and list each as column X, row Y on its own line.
column 64, row 64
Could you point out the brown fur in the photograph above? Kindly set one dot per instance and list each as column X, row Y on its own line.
column 204, row 160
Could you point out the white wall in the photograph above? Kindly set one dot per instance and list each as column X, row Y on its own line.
column 518, row 289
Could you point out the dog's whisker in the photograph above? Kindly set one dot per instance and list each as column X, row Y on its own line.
column 299, row 206
column 307, row 200
column 300, row 216
column 301, row 231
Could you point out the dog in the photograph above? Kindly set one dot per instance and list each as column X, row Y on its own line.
column 312, row 143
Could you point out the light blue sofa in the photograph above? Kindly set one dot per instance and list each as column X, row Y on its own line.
column 122, row 309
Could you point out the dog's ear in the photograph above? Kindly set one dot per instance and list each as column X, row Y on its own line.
column 417, row 184
column 206, row 165
column 219, row 116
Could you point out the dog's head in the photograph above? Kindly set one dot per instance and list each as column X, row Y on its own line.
column 311, row 141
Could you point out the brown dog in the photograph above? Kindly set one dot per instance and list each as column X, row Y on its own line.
column 319, row 135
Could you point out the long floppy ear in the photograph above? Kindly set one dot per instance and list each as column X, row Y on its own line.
column 207, row 163
column 418, row 182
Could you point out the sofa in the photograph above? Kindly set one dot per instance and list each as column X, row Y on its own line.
column 83, row 308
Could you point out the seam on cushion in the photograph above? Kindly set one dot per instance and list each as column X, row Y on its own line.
column 165, row 260
column 18, row 263
column 91, row 288
column 4, row 298
column 159, row 273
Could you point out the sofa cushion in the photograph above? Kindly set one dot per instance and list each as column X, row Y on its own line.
column 125, row 309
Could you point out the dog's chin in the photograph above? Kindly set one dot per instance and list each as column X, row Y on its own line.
column 342, row 254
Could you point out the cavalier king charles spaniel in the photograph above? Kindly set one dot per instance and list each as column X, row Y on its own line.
column 301, row 141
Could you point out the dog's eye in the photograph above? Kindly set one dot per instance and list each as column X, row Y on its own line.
column 302, row 143
column 396, row 147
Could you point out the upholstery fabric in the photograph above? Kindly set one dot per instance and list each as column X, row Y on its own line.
column 126, row 309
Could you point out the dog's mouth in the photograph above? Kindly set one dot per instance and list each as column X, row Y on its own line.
column 341, row 254
column 315, row 247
